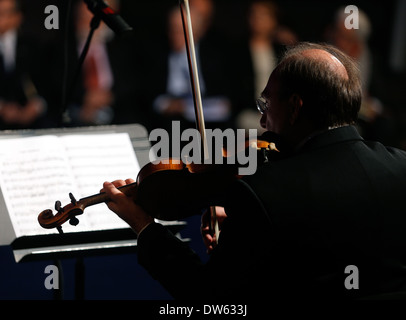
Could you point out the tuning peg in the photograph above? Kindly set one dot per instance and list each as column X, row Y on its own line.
column 72, row 198
column 74, row 221
column 58, row 206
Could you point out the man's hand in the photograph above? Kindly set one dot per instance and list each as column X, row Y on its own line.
column 13, row 113
column 209, row 239
column 94, row 101
column 125, row 207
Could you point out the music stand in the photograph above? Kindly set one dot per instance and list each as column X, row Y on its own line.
column 78, row 244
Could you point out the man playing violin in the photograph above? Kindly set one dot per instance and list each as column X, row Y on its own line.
column 294, row 227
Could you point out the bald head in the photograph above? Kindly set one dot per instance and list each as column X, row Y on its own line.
column 331, row 61
column 326, row 80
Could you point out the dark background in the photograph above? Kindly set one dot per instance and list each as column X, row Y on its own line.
column 119, row 276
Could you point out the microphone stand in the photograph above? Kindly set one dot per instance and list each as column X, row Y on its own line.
column 64, row 114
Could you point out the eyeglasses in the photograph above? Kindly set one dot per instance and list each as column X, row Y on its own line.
column 262, row 105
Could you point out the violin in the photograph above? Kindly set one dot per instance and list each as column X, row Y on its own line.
column 173, row 189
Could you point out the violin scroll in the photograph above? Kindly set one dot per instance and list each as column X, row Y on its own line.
column 48, row 220
column 69, row 212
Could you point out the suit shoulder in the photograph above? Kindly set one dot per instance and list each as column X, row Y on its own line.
column 389, row 152
column 397, row 153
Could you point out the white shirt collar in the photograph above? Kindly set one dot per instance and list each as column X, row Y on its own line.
column 8, row 47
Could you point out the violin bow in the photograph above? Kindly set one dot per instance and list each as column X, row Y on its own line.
column 197, row 97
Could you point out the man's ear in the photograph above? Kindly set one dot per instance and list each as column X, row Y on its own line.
column 295, row 104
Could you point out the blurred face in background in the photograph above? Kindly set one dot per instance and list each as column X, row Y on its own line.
column 10, row 17
column 204, row 10
column 262, row 19
column 347, row 40
column 175, row 31
column 175, row 28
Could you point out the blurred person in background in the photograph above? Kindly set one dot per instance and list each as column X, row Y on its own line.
column 106, row 92
column 22, row 73
column 169, row 83
column 267, row 41
column 374, row 121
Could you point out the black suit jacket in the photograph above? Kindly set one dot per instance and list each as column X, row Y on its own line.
column 295, row 225
column 34, row 68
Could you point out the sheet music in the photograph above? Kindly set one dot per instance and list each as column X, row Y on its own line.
column 37, row 171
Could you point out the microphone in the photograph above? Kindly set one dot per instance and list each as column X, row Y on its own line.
column 109, row 16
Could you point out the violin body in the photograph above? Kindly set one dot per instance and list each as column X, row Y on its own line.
column 182, row 192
